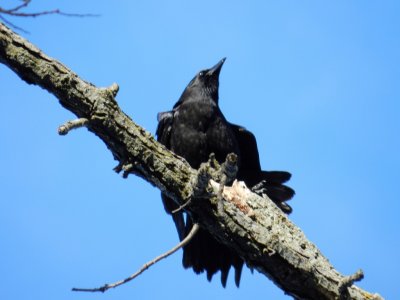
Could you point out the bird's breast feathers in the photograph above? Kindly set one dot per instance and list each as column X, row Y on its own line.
column 196, row 114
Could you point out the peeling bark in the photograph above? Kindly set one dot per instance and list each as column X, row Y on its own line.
column 251, row 225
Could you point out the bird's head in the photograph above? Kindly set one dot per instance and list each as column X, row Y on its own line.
column 206, row 82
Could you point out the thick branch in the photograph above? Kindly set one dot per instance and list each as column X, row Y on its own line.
column 253, row 226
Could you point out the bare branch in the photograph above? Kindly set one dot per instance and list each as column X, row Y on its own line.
column 147, row 265
column 12, row 25
column 24, row 4
column 16, row 12
column 252, row 226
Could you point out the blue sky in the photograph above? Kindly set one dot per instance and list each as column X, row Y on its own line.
column 317, row 83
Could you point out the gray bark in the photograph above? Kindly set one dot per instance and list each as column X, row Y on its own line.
column 251, row 225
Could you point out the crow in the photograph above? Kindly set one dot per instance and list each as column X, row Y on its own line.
column 194, row 129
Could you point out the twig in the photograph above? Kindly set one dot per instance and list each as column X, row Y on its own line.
column 349, row 280
column 12, row 25
column 203, row 177
column 77, row 123
column 230, row 167
column 106, row 287
column 222, row 184
column 16, row 12
column 24, row 4
column 228, row 170
column 127, row 169
column 181, row 206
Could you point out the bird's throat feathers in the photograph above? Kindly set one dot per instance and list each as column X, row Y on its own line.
column 202, row 95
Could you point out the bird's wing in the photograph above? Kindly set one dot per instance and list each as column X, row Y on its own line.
column 249, row 158
column 164, row 126
column 165, row 120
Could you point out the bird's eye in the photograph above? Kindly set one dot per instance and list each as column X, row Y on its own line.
column 201, row 73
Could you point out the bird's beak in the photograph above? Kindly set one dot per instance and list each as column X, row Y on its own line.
column 216, row 69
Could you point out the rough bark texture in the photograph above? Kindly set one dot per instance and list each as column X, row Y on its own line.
column 253, row 226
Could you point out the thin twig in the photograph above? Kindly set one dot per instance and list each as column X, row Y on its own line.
column 181, row 206
column 46, row 12
column 24, row 4
column 106, row 287
column 16, row 12
column 12, row 25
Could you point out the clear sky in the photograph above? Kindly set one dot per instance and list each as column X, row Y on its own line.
column 316, row 81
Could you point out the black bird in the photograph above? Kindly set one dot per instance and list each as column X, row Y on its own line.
column 194, row 129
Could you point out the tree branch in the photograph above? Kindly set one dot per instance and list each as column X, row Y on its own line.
column 147, row 265
column 251, row 225
column 16, row 12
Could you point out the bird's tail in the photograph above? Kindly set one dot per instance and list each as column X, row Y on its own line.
column 272, row 185
column 203, row 253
